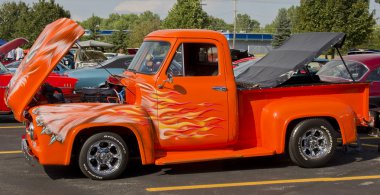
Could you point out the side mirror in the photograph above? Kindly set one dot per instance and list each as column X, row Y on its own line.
column 168, row 80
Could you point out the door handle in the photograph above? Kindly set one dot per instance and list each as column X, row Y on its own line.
column 219, row 88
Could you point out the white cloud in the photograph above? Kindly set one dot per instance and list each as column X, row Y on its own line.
column 139, row 6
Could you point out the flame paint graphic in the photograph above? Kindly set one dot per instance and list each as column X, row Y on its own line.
column 177, row 120
column 58, row 120
column 173, row 119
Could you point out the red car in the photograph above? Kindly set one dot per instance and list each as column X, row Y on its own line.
column 363, row 68
column 64, row 83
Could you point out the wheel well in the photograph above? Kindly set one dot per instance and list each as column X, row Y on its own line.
column 127, row 135
column 293, row 123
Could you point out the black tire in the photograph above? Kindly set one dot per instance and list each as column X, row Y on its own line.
column 312, row 143
column 106, row 151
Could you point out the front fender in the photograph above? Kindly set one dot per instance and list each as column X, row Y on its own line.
column 277, row 116
column 63, row 122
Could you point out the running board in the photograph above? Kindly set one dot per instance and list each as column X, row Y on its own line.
column 209, row 155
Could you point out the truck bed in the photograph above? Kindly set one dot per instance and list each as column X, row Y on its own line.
column 256, row 125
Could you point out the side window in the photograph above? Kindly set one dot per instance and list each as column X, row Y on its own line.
column 374, row 75
column 176, row 66
column 195, row 59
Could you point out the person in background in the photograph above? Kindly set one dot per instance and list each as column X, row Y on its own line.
column 19, row 53
column 11, row 55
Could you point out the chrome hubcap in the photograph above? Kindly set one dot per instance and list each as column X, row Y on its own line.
column 314, row 143
column 104, row 157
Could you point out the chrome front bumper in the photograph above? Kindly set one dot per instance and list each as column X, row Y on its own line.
column 29, row 157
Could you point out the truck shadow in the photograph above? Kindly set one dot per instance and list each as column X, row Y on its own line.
column 73, row 172
column 340, row 159
column 7, row 119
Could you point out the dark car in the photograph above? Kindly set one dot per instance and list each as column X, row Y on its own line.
column 237, row 54
column 96, row 76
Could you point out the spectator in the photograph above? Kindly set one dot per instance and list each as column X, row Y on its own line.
column 11, row 55
column 19, row 53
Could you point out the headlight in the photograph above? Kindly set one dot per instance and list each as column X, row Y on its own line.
column 30, row 131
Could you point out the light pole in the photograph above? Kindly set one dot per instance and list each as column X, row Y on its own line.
column 233, row 40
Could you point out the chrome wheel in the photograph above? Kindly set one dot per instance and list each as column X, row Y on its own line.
column 314, row 143
column 104, row 157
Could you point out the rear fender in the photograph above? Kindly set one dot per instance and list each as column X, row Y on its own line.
column 277, row 116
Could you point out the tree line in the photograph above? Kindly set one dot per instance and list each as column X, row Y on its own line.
column 352, row 17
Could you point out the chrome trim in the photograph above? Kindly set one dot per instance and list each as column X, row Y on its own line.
column 220, row 88
column 30, row 158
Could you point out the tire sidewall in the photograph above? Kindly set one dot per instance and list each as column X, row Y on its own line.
column 295, row 150
column 84, row 163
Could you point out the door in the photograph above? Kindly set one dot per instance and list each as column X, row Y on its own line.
column 193, row 110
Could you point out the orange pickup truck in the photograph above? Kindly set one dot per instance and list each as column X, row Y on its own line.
column 182, row 105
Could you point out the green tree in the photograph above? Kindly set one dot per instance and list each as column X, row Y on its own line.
column 349, row 16
column 246, row 24
column 282, row 26
column 218, row 24
column 186, row 14
column 10, row 14
column 146, row 23
column 30, row 24
column 92, row 24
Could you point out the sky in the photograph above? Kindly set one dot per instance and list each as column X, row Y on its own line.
column 263, row 11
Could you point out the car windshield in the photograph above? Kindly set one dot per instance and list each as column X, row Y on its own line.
column 149, row 57
column 14, row 64
column 3, row 69
column 337, row 69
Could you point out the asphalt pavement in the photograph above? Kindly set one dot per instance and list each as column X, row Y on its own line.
column 349, row 172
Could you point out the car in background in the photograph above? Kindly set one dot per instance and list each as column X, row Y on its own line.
column 87, row 58
column 237, row 54
column 96, row 76
column 110, row 55
column 362, row 51
column 66, row 84
column 363, row 68
column 59, row 69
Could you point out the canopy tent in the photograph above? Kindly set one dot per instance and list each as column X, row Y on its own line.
column 93, row 43
column 281, row 63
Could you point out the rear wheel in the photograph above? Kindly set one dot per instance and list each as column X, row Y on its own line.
column 312, row 143
column 103, row 156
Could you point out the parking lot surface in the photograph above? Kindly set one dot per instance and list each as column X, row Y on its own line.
column 349, row 172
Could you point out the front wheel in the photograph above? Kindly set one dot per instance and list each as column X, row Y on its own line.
column 103, row 156
column 312, row 143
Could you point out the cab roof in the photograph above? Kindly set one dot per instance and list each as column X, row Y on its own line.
column 186, row 33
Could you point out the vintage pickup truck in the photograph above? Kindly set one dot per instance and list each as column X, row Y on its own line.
column 183, row 105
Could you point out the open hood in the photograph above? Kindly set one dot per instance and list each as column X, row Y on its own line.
column 49, row 48
column 7, row 47
column 281, row 63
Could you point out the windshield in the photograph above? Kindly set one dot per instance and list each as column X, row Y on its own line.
column 14, row 64
column 149, row 57
column 3, row 69
column 337, row 69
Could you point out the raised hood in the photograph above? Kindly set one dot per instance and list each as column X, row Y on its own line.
column 49, row 48
column 281, row 63
column 7, row 47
